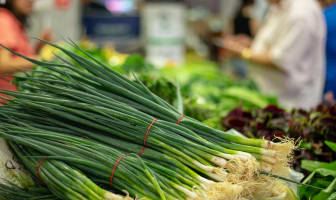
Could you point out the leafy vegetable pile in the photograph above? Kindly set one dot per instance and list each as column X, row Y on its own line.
column 87, row 132
column 205, row 82
column 323, row 175
column 207, row 93
column 312, row 127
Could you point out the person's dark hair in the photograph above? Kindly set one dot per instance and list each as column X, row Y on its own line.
column 9, row 6
column 247, row 2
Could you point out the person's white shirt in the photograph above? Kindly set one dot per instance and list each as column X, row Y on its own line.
column 294, row 33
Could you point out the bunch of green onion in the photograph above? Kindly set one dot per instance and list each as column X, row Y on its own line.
column 62, row 180
column 88, row 118
column 144, row 179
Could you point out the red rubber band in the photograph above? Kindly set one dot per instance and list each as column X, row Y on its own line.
column 38, row 169
column 148, row 130
column 180, row 119
column 142, row 151
column 145, row 137
column 115, row 167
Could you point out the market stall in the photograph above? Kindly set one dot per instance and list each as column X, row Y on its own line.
column 85, row 131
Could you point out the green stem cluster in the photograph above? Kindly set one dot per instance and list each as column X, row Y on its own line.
column 89, row 117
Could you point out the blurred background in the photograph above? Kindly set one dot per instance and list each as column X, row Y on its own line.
column 164, row 31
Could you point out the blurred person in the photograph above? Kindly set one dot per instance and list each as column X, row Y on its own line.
column 287, row 56
column 13, row 21
column 243, row 16
column 243, row 28
column 245, row 24
column 330, row 16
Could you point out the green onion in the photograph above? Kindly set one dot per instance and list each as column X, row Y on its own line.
column 89, row 117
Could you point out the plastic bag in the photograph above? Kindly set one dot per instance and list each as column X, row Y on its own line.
column 10, row 169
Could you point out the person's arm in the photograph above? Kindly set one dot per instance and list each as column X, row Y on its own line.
column 239, row 49
column 10, row 64
column 263, row 58
column 244, row 40
column 8, row 38
column 287, row 50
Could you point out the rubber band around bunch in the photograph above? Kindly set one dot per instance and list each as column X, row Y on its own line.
column 145, row 137
column 180, row 119
column 115, row 167
column 38, row 169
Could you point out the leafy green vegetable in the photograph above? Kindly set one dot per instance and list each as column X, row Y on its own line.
column 136, row 63
column 331, row 145
column 332, row 196
column 323, row 175
column 313, row 127
column 160, row 86
column 311, row 165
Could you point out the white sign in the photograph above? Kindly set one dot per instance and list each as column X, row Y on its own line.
column 164, row 29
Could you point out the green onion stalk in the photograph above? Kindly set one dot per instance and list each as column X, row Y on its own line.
column 65, row 182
